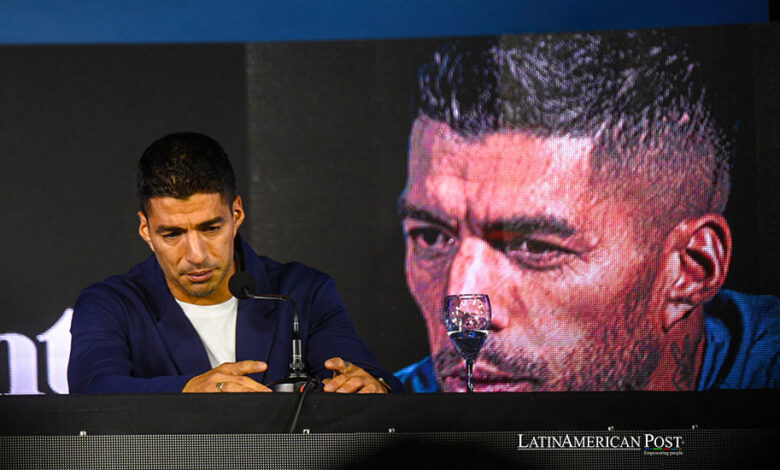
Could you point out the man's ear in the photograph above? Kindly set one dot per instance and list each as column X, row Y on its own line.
column 143, row 229
column 699, row 252
column 238, row 214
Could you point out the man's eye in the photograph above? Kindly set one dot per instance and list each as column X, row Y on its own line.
column 211, row 229
column 170, row 235
column 431, row 241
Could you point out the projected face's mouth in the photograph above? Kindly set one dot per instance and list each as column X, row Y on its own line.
column 482, row 383
column 489, row 376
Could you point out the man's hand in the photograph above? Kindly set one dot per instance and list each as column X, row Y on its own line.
column 349, row 378
column 228, row 377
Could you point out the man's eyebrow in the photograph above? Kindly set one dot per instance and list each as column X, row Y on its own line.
column 202, row 225
column 168, row 228
column 408, row 211
column 210, row 222
column 542, row 224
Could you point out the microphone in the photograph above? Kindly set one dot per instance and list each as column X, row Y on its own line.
column 242, row 286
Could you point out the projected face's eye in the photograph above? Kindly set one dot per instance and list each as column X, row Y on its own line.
column 430, row 241
column 532, row 253
column 531, row 250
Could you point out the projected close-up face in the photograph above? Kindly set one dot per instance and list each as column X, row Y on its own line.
column 580, row 182
column 570, row 282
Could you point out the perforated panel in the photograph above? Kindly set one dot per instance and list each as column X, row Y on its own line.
column 697, row 449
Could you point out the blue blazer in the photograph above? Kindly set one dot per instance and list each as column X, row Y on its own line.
column 130, row 336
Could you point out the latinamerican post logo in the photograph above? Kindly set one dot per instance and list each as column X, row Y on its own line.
column 647, row 443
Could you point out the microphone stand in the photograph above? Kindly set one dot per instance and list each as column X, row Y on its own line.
column 297, row 379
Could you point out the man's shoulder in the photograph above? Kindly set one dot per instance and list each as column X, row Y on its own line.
column 135, row 282
column 279, row 270
column 419, row 377
column 121, row 300
column 280, row 275
column 743, row 341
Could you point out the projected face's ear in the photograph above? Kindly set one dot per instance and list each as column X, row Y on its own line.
column 698, row 252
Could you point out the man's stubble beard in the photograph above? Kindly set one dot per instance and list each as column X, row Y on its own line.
column 206, row 289
column 621, row 354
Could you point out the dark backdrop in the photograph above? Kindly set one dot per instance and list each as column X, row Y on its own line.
column 328, row 130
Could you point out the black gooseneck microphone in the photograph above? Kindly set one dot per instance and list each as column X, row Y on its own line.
column 242, row 286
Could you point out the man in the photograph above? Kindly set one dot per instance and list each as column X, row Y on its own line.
column 580, row 182
column 171, row 324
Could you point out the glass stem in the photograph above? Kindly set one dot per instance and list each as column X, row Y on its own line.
column 469, row 375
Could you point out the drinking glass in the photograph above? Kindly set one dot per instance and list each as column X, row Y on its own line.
column 467, row 318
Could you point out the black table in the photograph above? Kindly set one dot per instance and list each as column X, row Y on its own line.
column 530, row 430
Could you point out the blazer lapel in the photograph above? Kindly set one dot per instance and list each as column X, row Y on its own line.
column 257, row 319
column 255, row 329
column 178, row 334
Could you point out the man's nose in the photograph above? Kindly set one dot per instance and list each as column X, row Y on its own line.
column 196, row 249
column 476, row 269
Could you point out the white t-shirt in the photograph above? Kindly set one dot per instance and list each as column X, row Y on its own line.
column 216, row 326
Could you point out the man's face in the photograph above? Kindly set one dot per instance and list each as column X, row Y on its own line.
column 512, row 216
column 193, row 241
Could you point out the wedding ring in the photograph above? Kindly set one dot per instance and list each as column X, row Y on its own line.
column 347, row 369
column 220, row 385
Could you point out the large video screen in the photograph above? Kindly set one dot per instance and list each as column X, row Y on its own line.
column 604, row 190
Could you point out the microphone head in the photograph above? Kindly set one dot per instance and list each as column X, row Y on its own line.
column 241, row 284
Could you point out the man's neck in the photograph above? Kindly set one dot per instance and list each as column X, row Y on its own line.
column 681, row 355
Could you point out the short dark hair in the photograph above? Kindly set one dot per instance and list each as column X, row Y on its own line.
column 182, row 164
column 631, row 92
